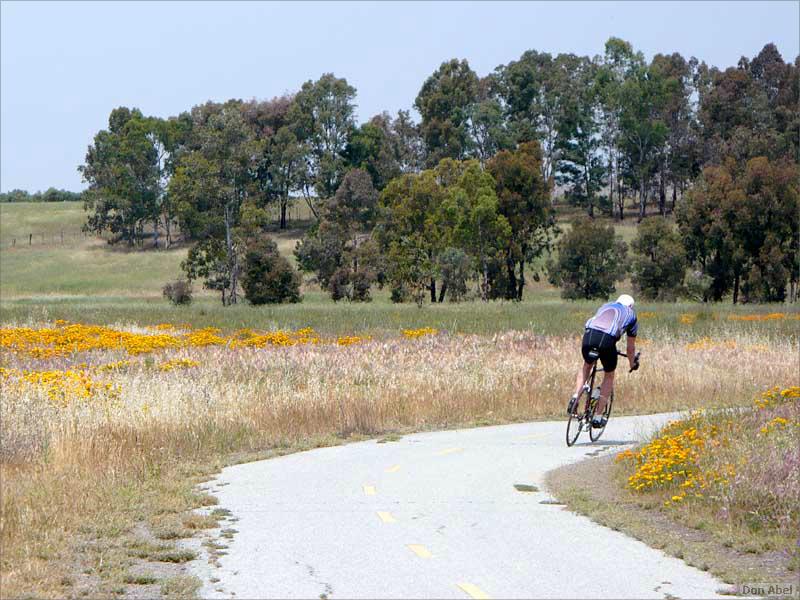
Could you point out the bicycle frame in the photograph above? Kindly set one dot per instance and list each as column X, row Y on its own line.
column 585, row 418
column 588, row 385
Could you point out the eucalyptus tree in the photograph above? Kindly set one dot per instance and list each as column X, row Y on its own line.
column 322, row 117
column 582, row 167
column 617, row 63
column 643, row 132
column 122, row 168
column 678, row 158
column 410, row 147
column 523, row 198
column 445, row 103
column 212, row 184
column 280, row 170
column 489, row 127
column 374, row 148
column 533, row 90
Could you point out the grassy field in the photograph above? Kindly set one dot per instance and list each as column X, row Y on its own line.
column 19, row 219
column 131, row 401
column 83, row 266
column 87, row 266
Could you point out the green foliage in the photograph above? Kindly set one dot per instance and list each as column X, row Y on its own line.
column 590, row 260
column 210, row 186
column 752, row 109
column 581, row 166
column 524, row 200
column 339, row 248
column 445, row 103
column 742, row 228
column 322, row 116
column 641, row 100
column 659, row 261
column 268, row 278
column 127, row 168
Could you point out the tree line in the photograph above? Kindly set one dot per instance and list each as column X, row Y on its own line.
column 49, row 195
column 468, row 192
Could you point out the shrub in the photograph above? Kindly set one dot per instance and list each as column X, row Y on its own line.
column 178, row 292
column 659, row 263
column 268, row 277
column 456, row 268
column 591, row 258
column 698, row 286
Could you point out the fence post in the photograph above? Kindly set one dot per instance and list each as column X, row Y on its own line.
column 62, row 237
column 30, row 239
column 13, row 241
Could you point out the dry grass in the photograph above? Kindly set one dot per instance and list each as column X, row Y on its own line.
column 137, row 457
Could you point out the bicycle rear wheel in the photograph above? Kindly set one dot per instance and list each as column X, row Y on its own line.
column 594, row 434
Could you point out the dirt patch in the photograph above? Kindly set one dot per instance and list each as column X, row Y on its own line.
column 589, row 488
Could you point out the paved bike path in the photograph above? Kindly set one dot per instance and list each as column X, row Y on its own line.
column 433, row 515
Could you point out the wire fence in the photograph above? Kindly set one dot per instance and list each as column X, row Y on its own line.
column 62, row 237
column 297, row 212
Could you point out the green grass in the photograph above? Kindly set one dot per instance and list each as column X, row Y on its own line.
column 543, row 313
column 92, row 282
column 83, row 266
column 19, row 219
column 86, row 269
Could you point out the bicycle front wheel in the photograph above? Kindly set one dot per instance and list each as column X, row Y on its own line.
column 594, row 434
column 575, row 423
column 574, row 426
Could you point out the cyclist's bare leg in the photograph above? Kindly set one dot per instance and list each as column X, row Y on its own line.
column 605, row 391
column 583, row 375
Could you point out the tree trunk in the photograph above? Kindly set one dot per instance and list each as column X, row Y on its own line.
column 662, row 195
column 736, row 289
column 485, row 283
column 307, row 198
column 511, row 290
column 674, row 195
column 611, row 185
column 167, row 231
column 233, row 265
column 521, row 283
column 442, row 292
column 620, row 201
column 642, row 199
column 433, row 290
column 283, row 213
column 155, row 234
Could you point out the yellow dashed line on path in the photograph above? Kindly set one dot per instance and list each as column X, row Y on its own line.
column 449, row 451
column 420, row 550
column 393, row 469
column 386, row 517
column 473, row 591
column 369, row 490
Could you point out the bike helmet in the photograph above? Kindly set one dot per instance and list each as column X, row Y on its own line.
column 625, row 300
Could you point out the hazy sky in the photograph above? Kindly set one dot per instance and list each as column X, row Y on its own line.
column 65, row 65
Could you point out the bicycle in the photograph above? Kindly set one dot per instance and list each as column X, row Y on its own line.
column 577, row 422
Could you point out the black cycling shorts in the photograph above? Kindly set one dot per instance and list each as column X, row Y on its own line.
column 604, row 344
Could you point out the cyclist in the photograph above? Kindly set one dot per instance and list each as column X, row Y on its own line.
column 602, row 333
